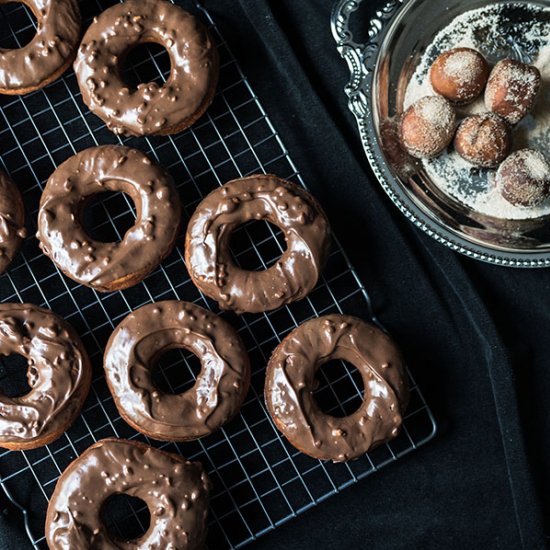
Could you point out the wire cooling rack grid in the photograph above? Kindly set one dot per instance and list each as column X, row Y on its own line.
column 260, row 481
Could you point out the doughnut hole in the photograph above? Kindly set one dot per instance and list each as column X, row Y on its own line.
column 175, row 371
column 257, row 245
column 483, row 140
column 460, row 75
column 14, row 370
column 427, row 127
column 19, row 23
column 512, row 89
column 524, row 178
column 145, row 63
column 106, row 217
column 126, row 518
column 340, row 390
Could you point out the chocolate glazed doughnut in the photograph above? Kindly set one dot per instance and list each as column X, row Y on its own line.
column 12, row 221
column 108, row 266
column 149, row 109
column 218, row 392
column 59, row 375
column 49, row 53
column 290, row 383
column 261, row 197
column 175, row 491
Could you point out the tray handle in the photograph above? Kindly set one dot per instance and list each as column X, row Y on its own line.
column 358, row 55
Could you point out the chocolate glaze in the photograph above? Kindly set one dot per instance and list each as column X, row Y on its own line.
column 149, row 109
column 290, row 383
column 175, row 490
column 12, row 221
column 108, row 266
column 58, row 374
column 49, row 53
column 221, row 385
column 261, row 197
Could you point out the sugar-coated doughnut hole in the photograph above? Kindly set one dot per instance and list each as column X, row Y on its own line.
column 460, row 75
column 512, row 89
column 524, row 178
column 483, row 140
column 427, row 127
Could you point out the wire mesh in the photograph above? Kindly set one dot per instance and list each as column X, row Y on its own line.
column 260, row 481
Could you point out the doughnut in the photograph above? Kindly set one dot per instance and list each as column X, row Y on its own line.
column 12, row 221
column 512, row 89
column 290, row 383
column 150, row 109
column 49, row 54
column 219, row 390
column 524, row 178
column 427, row 127
column 59, row 375
column 483, row 140
column 175, row 491
column 460, row 75
column 261, row 197
column 108, row 266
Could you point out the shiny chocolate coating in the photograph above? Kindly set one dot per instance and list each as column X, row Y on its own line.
column 290, row 383
column 48, row 54
column 59, row 376
column 150, row 109
column 117, row 265
column 174, row 489
column 12, row 221
column 219, row 390
column 261, row 197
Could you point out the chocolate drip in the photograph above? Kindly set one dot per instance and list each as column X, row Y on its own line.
column 108, row 266
column 221, row 385
column 49, row 52
column 261, row 197
column 290, row 383
column 12, row 221
column 58, row 374
column 150, row 109
column 175, row 490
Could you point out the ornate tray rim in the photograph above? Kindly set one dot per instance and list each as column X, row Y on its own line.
column 361, row 60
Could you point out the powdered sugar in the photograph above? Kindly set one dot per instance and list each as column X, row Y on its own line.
column 436, row 111
column 534, row 163
column 490, row 31
column 463, row 66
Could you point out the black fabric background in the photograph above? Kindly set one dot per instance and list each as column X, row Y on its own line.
column 476, row 336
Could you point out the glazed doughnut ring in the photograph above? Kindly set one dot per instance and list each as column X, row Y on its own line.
column 261, row 197
column 220, row 387
column 12, row 221
column 149, row 109
column 175, row 491
column 290, row 383
column 108, row 266
column 50, row 52
column 59, row 375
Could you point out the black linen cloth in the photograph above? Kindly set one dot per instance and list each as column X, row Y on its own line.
column 475, row 336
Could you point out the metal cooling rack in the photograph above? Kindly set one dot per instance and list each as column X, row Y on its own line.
column 260, row 481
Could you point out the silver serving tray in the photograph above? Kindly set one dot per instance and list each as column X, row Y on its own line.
column 409, row 26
